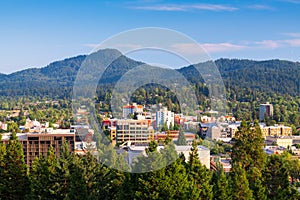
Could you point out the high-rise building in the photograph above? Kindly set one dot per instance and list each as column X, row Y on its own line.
column 164, row 116
column 265, row 110
column 134, row 131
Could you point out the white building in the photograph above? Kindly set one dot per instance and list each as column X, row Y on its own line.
column 203, row 153
column 164, row 116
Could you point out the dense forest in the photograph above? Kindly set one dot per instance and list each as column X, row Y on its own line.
column 254, row 174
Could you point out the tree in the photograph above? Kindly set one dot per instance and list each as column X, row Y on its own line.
column 2, row 164
column 12, row 127
column 181, row 138
column 199, row 175
column 167, row 179
column 14, row 176
column 221, row 190
column 239, row 184
column 43, row 176
column 248, row 153
column 277, row 179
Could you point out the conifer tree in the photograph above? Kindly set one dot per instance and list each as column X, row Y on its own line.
column 43, row 176
column 181, row 138
column 239, row 184
column 220, row 184
column 199, row 175
column 14, row 176
column 2, row 164
column 248, row 153
column 277, row 179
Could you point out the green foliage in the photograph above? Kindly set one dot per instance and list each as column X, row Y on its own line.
column 221, row 189
column 239, row 184
column 277, row 179
column 199, row 175
column 247, row 150
column 13, row 173
column 181, row 138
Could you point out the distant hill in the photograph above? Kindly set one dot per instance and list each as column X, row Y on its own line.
column 56, row 79
column 270, row 76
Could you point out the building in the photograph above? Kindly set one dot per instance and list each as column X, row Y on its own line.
column 131, row 109
column 269, row 150
column 37, row 144
column 134, row 130
column 3, row 126
column 265, row 110
column 174, row 136
column 164, row 116
column 203, row 153
column 284, row 141
column 277, row 130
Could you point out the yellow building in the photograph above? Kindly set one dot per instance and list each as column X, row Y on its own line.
column 134, row 130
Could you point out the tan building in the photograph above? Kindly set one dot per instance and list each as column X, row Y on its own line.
column 281, row 141
column 134, row 130
column 276, row 131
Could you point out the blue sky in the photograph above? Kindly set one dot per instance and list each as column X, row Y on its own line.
column 35, row 33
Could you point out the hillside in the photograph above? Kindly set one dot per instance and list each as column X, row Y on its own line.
column 56, row 79
column 271, row 76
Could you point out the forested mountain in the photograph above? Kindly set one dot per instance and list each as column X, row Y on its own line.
column 271, row 76
column 56, row 79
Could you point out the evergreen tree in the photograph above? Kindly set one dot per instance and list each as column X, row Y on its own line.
column 199, row 176
column 14, row 176
column 2, row 164
column 247, row 150
column 277, row 179
column 43, row 176
column 220, row 184
column 239, row 184
column 248, row 153
column 169, row 182
column 181, row 138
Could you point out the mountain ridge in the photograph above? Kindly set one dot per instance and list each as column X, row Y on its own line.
column 57, row 77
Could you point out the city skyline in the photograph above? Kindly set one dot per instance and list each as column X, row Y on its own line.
column 35, row 33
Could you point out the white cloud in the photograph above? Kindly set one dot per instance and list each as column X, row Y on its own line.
column 260, row 7
column 192, row 48
column 297, row 35
column 186, row 7
column 269, row 44
column 222, row 47
column 293, row 42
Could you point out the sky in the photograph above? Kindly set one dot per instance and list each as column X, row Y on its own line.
column 35, row 33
